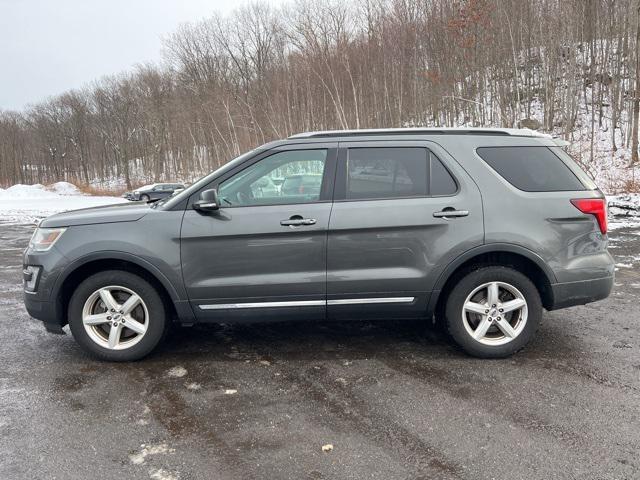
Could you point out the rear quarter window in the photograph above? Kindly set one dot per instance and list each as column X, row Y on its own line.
column 532, row 169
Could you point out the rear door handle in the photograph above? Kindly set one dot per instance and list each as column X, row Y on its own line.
column 450, row 212
column 297, row 221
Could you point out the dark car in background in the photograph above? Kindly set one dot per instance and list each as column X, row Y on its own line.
column 153, row 192
column 301, row 184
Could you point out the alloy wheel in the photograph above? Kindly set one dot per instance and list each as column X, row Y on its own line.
column 115, row 317
column 494, row 313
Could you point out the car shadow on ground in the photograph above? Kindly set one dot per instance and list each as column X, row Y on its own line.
column 330, row 341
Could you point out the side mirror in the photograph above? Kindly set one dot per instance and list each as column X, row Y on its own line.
column 208, row 201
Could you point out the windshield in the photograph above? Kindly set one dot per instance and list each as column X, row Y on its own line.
column 176, row 198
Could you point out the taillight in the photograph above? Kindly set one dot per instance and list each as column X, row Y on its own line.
column 593, row 206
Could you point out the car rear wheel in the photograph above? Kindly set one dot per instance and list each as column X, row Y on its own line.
column 493, row 312
column 117, row 316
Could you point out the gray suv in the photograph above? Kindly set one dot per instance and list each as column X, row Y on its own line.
column 479, row 229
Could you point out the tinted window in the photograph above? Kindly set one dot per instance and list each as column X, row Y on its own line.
column 285, row 177
column 532, row 169
column 386, row 172
column 586, row 180
column 441, row 183
column 301, row 183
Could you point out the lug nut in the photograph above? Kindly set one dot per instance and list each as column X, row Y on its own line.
column 499, row 318
column 493, row 306
column 486, row 311
column 108, row 318
column 501, row 310
column 113, row 310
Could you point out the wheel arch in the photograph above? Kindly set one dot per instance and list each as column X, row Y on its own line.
column 515, row 256
column 111, row 260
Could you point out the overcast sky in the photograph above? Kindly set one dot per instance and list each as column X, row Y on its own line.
column 49, row 46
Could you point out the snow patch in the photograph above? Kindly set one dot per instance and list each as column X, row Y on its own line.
column 177, row 372
column 27, row 191
column 27, row 204
column 64, row 188
column 624, row 211
column 146, row 450
column 161, row 474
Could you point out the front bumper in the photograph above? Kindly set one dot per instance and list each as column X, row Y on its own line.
column 47, row 312
column 581, row 292
column 41, row 302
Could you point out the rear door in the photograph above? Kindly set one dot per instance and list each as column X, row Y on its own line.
column 401, row 210
column 263, row 250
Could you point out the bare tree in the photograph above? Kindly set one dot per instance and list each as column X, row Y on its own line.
column 231, row 83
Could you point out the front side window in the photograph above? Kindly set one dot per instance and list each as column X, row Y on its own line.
column 288, row 177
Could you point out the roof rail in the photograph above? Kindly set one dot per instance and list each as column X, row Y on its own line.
column 519, row 132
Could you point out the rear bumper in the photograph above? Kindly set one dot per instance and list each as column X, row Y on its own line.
column 581, row 292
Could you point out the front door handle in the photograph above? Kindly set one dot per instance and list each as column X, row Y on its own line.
column 297, row 221
column 450, row 212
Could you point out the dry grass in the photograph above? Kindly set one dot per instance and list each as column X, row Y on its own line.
column 630, row 185
column 103, row 191
column 98, row 191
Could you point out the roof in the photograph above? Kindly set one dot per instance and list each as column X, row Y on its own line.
column 519, row 132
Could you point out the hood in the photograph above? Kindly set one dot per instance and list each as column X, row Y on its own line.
column 121, row 212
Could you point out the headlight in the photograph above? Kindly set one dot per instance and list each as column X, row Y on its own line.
column 44, row 238
column 136, row 193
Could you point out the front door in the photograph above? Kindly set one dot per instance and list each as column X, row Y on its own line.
column 401, row 210
column 262, row 255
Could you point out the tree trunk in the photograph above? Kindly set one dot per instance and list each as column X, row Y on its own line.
column 636, row 97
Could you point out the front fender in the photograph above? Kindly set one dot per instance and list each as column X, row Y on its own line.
column 117, row 255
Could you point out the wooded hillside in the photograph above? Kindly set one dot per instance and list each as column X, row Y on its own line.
column 232, row 83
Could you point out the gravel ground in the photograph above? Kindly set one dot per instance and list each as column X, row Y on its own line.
column 394, row 399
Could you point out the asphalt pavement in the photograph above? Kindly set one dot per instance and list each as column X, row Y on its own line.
column 394, row 399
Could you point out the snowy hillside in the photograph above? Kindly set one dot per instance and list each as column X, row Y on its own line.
column 610, row 169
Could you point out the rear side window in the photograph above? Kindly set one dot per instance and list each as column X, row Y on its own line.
column 532, row 169
column 386, row 172
column 575, row 168
column 395, row 172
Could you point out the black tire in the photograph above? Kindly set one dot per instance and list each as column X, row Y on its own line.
column 145, row 198
column 157, row 322
column 466, row 285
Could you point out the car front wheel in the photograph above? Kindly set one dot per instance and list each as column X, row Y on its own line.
column 117, row 316
column 493, row 312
